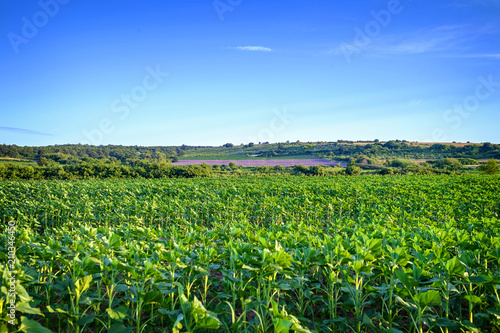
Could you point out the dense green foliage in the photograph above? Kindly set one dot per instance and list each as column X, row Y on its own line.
column 104, row 162
column 70, row 153
column 347, row 149
column 98, row 169
column 102, row 170
column 324, row 254
column 65, row 154
column 490, row 167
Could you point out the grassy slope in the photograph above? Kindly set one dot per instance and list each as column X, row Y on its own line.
column 242, row 157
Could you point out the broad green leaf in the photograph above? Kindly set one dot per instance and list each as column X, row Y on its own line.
column 83, row 284
column 120, row 288
column 296, row 325
column 85, row 320
column 374, row 245
column 32, row 326
column 178, row 324
column 200, row 269
column 405, row 279
column 399, row 256
column 429, row 298
column 470, row 326
column 454, row 267
column 22, row 293
column 494, row 312
column 480, row 279
column 368, row 322
column 115, row 241
column 117, row 314
column 209, row 321
column 204, row 319
column 481, row 316
column 495, row 253
column 473, row 299
column 447, row 323
column 152, row 297
column 26, row 308
column 133, row 291
column 57, row 310
column 282, row 258
column 281, row 325
column 359, row 266
column 120, row 328
column 168, row 312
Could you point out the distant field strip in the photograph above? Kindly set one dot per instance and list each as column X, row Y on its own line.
column 250, row 163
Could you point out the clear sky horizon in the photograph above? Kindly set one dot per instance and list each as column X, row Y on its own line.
column 172, row 72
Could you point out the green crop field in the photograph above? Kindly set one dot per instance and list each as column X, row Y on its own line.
column 257, row 254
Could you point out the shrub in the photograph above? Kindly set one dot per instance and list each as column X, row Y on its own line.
column 490, row 167
column 352, row 169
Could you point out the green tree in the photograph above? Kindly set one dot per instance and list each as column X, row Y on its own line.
column 278, row 168
column 160, row 157
column 352, row 169
column 42, row 161
column 301, row 169
column 490, row 167
column 451, row 164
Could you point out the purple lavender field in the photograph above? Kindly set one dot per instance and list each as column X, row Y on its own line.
column 273, row 162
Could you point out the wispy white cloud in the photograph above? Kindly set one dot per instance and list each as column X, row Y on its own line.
column 471, row 3
column 411, row 46
column 481, row 55
column 415, row 102
column 253, row 48
column 433, row 40
column 23, row 131
column 494, row 3
column 449, row 40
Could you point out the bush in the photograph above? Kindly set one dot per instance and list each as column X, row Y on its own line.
column 301, row 169
column 451, row 164
column 468, row 161
column 401, row 164
column 388, row 171
column 278, row 168
column 318, row 170
column 352, row 169
column 490, row 167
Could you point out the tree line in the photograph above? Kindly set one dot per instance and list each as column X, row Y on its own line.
column 101, row 170
column 334, row 150
column 96, row 169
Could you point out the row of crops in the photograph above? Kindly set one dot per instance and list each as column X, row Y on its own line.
column 277, row 254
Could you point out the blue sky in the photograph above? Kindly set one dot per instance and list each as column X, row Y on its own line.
column 204, row 72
